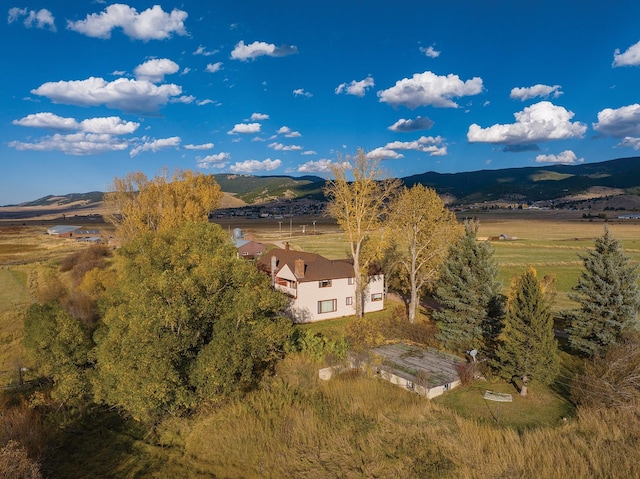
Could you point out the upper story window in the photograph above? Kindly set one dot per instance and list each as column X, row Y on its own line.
column 351, row 281
column 324, row 283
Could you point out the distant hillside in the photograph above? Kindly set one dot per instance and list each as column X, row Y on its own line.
column 71, row 199
column 259, row 189
column 620, row 177
column 533, row 183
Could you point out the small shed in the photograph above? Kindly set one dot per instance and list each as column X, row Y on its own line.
column 425, row 371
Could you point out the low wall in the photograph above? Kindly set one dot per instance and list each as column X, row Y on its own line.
column 327, row 373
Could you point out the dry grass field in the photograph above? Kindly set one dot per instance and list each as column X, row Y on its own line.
column 298, row 426
column 550, row 240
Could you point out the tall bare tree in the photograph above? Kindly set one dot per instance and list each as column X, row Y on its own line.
column 359, row 195
column 423, row 229
column 138, row 204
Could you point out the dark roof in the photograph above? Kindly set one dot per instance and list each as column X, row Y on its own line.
column 252, row 247
column 316, row 267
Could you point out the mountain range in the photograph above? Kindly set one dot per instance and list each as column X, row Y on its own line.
column 557, row 183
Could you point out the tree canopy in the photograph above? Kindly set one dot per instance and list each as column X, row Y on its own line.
column 423, row 228
column 469, row 293
column 187, row 320
column 58, row 345
column 607, row 292
column 138, row 204
column 359, row 207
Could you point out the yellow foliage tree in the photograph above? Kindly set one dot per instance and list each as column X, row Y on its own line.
column 138, row 204
column 359, row 206
column 424, row 228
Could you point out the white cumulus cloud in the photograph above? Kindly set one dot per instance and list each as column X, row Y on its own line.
column 302, row 92
column 357, row 88
column 43, row 18
column 434, row 145
column 112, row 125
column 79, row 144
column 542, row 91
column 251, row 166
column 259, row 116
column 567, row 157
column 156, row 145
column 254, row 50
column 155, row 70
column 123, row 93
column 384, row 153
column 216, row 161
column 201, row 50
column 206, row 101
column 214, row 67
column 631, row 142
column 541, row 121
column 427, row 88
column 319, row 166
column 430, row 52
column 281, row 147
column 420, row 123
column 151, row 24
column 245, row 128
column 619, row 122
column 288, row 132
column 203, row 146
column 631, row 57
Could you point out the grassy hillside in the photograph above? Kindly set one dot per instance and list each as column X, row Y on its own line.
column 533, row 183
column 549, row 182
column 258, row 189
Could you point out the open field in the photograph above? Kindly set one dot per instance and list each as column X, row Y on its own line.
column 549, row 240
column 354, row 426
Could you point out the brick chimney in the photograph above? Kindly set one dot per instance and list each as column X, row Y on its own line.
column 286, row 246
column 299, row 268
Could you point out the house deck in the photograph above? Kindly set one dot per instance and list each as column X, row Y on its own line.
column 414, row 363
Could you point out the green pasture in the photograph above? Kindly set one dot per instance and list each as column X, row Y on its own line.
column 551, row 242
column 541, row 407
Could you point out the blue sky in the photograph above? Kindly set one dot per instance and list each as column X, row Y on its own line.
column 94, row 90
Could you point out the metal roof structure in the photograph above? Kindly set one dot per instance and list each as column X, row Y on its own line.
column 62, row 229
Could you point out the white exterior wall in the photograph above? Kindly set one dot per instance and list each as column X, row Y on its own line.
column 308, row 294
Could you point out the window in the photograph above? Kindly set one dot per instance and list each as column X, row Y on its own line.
column 324, row 283
column 349, row 300
column 327, row 306
column 376, row 297
column 351, row 281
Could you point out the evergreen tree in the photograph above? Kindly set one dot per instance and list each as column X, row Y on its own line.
column 607, row 291
column 470, row 295
column 528, row 349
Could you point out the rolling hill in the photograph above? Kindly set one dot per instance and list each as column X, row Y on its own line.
column 567, row 183
column 534, row 183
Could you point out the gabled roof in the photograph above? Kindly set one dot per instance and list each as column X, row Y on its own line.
column 316, row 267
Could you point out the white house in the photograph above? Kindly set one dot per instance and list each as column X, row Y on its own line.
column 319, row 288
